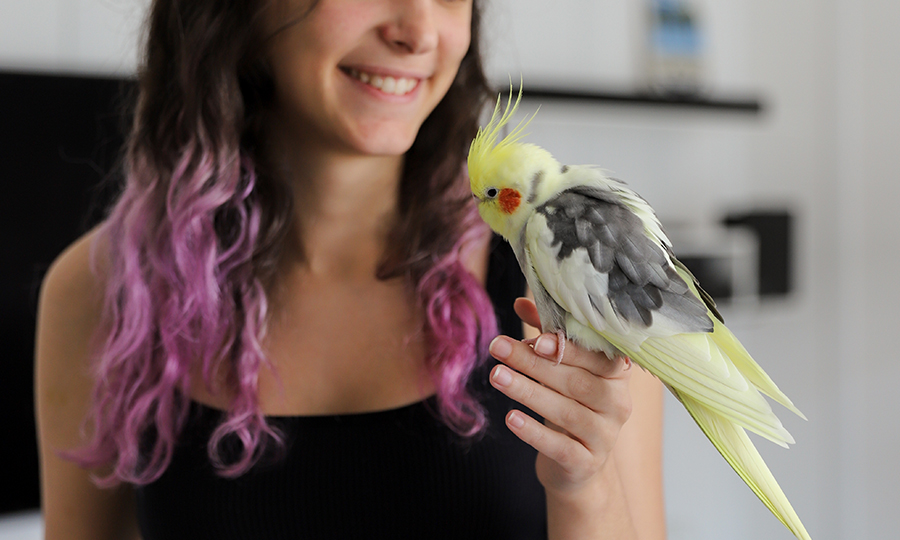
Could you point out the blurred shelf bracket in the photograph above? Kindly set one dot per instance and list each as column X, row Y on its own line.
column 723, row 260
column 774, row 231
column 745, row 257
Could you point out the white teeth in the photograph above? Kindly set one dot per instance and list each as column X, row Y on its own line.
column 389, row 85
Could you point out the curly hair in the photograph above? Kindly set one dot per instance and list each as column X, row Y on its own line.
column 195, row 235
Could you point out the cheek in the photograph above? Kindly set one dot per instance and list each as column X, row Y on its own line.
column 456, row 36
column 345, row 21
column 460, row 37
column 509, row 200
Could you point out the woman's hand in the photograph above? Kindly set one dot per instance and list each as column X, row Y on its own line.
column 585, row 401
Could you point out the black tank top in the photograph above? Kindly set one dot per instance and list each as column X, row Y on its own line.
column 399, row 473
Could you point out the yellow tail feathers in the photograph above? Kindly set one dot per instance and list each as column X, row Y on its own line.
column 735, row 446
column 748, row 367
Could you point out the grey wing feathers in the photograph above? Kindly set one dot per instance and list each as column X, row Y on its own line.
column 641, row 280
column 707, row 299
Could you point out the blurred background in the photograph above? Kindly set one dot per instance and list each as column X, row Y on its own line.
column 765, row 133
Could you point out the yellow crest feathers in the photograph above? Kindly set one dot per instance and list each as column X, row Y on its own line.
column 485, row 143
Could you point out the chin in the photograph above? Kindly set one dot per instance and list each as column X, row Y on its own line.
column 386, row 143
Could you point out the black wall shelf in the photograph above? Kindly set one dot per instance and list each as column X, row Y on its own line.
column 745, row 105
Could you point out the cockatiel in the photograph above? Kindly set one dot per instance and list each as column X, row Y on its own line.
column 603, row 274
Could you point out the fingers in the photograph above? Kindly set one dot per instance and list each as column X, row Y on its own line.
column 582, row 423
column 597, row 363
column 589, row 407
column 579, row 376
column 583, row 396
column 572, row 456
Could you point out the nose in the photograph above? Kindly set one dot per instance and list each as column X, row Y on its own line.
column 412, row 26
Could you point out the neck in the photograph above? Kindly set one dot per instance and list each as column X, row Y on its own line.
column 344, row 205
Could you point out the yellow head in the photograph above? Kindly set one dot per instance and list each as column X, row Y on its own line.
column 504, row 175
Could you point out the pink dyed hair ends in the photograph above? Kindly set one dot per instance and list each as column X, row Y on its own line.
column 459, row 325
column 177, row 296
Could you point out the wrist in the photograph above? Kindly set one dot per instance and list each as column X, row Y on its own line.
column 598, row 490
column 594, row 508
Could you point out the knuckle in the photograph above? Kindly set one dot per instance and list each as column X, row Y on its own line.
column 538, row 439
column 572, row 417
column 581, row 387
column 565, row 454
column 624, row 409
column 531, row 360
column 524, row 359
column 574, row 458
column 527, row 391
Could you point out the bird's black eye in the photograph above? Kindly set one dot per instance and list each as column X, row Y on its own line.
column 490, row 192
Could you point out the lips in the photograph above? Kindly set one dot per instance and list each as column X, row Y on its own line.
column 397, row 86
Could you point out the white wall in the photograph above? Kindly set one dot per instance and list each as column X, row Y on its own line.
column 22, row 526
column 833, row 142
column 868, row 122
column 827, row 144
column 85, row 36
column 581, row 43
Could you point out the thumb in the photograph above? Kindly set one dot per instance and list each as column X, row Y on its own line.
column 527, row 311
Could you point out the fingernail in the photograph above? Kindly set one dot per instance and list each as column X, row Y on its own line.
column 500, row 347
column 545, row 345
column 516, row 420
column 502, row 376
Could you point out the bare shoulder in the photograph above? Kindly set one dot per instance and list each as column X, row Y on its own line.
column 68, row 314
column 73, row 283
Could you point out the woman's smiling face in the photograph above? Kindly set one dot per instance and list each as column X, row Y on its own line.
column 361, row 76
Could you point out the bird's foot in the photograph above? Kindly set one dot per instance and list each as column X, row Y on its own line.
column 560, row 345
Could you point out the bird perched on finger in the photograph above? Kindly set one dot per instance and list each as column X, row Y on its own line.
column 604, row 275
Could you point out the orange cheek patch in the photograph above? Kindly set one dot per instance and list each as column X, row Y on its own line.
column 509, row 200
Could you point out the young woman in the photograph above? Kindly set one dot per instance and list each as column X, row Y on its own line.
column 279, row 330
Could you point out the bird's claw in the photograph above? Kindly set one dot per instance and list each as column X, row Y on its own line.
column 560, row 345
